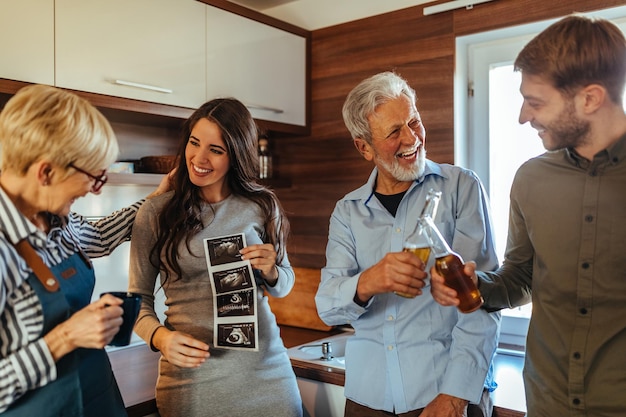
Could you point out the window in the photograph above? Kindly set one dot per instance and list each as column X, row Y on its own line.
column 489, row 140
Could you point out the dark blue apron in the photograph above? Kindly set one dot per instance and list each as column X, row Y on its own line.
column 85, row 385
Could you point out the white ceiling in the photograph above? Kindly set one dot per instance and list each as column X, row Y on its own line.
column 317, row 14
column 261, row 5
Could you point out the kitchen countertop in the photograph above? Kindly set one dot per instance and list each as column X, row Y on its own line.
column 508, row 397
column 135, row 368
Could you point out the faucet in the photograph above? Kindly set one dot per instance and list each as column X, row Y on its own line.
column 327, row 350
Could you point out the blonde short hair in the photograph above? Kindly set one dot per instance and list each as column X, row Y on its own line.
column 43, row 122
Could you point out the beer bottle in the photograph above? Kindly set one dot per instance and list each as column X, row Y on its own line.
column 450, row 265
column 265, row 159
column 418, row 242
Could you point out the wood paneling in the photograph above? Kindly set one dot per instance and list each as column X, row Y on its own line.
column 503, row 412
column 298, row 309
column 503, row 13
column 324, row 166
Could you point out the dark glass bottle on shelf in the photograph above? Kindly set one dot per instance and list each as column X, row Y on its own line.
column 265, row 159
column 418, row 242
column 450, row 265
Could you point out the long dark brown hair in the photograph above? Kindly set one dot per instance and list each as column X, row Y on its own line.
column 181, row 217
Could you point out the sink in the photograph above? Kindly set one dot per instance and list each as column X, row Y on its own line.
column 329, row 351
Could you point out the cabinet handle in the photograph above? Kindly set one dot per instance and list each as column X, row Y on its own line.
column 143, row 86
column 260, row 107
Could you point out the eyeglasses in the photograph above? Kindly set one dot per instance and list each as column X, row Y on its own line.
column 99, row 180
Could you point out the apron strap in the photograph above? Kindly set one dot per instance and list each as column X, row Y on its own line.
column 41, row 271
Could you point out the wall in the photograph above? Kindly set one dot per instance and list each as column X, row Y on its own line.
column 324, row 166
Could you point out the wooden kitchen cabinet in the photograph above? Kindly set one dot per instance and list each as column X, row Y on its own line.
column 263, row 66
column 27, row 40
column 158, row 44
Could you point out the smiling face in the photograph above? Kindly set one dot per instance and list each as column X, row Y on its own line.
column 207, row 160
column 553, row 116
column 73, row 187
column 397, row 147
column 56, row 189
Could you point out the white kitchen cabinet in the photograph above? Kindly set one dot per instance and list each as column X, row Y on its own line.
column 262, row 66
column 321, row 399
column 27, row 40
column 150, row 50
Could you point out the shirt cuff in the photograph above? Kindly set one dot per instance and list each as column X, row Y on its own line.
column 359, row 302
column 34, row 366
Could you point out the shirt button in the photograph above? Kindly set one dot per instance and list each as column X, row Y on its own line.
column 576, row 401
column 589, row 218
column 390, row 318
column 585, row 265
column 398, row 230
column 576, row 355
column 583, row 310
column 390, row 347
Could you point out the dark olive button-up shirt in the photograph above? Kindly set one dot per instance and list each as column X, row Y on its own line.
column 567, row 249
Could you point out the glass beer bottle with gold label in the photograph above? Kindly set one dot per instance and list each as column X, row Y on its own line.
column 418, row 242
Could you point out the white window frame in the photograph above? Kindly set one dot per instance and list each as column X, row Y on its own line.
column 471, row 111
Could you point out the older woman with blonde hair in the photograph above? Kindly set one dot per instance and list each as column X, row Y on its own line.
column 55, row 148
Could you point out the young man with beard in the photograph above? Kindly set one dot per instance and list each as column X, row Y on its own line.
column 408, row 355
column 567, row 229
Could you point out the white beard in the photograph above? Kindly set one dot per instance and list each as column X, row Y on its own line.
column 401, row 173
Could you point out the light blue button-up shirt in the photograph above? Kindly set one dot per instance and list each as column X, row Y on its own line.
column 407, row 351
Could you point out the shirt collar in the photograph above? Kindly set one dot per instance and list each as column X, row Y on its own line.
column 617, row 151
column 366, row 191
column 613, row 155
column 13, row 223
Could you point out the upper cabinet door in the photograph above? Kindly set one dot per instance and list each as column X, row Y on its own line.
column 262, row 66
column 27, row 40
column 151, row 50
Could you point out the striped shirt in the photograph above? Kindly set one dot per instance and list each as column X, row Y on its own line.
column 25, row 360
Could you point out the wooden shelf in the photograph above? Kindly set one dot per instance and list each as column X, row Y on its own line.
column 117, row 108
column 135, row 179
column 139, row 112
column 155, row 179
